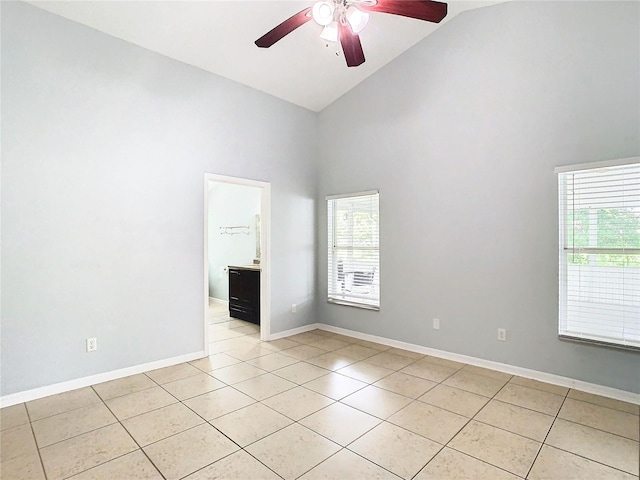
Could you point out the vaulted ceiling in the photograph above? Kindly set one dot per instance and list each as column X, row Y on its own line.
column 217, row 36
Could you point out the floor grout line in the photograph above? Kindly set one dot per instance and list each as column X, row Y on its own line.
column 35, row 440
column 544, row 442
column 128, row 433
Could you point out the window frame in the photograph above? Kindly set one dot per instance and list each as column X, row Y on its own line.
column 351, row 300
column 565, row 250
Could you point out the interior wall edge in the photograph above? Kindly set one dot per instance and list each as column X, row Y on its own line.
column 614, row 393
column 294, row 331
column 40, row 392
column 554, row 379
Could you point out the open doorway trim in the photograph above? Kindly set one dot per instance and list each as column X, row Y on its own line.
column 265, row 251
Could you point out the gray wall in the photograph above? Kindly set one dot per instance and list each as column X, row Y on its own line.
column 104, row 146
column 230, row 205
column 104, row 150
column 461, row 135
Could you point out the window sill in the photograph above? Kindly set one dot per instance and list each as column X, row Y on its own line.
column 600, row 343
column 346, row 303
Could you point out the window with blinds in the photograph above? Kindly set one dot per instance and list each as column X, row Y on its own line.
column 599, row 212
column 354, row 250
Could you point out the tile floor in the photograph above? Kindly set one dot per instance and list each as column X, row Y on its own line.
column 318, row 406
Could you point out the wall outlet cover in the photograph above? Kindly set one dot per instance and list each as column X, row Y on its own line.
column 92, row 344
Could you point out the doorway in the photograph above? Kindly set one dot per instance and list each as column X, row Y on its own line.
column 237, row 221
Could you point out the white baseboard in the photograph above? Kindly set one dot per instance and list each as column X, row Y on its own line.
column 501, row 367
column 219, row 300
column 34, row 394
column 295, row 331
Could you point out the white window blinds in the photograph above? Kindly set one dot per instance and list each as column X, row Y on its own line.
column 354, row 250
column 599, row 211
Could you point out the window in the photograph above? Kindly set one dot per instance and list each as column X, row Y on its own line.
column 599, row 211
column 354, row 250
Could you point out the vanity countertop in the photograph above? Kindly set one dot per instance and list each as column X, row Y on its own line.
column 246, row 267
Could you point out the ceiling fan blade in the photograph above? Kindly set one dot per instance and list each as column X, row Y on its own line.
column 428, row 10
column 351, row 46
column 285, row 28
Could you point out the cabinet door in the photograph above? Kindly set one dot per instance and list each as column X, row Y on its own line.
column 252, row 290
column 235, row 286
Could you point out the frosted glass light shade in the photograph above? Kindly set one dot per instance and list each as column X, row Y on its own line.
column 330, row 32
column 322, row 13
column 357, row 19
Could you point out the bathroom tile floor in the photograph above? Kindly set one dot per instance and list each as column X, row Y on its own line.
column 318, row 405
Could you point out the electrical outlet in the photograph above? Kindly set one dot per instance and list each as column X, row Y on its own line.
column 92, row 344
column 436, row 324
column 502, row 334
column 294, row 308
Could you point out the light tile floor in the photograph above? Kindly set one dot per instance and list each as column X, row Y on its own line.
column 319, row 406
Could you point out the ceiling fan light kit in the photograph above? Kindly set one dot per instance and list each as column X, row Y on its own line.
column 343, row 20
column 322, row 12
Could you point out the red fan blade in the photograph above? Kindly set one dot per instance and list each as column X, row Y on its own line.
column 285, row 28
column 421, row 9
column 351, row 46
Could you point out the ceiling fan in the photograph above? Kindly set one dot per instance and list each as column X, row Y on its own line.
column 343, row 20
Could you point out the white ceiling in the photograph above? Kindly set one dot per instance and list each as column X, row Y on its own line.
column 218, row 36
